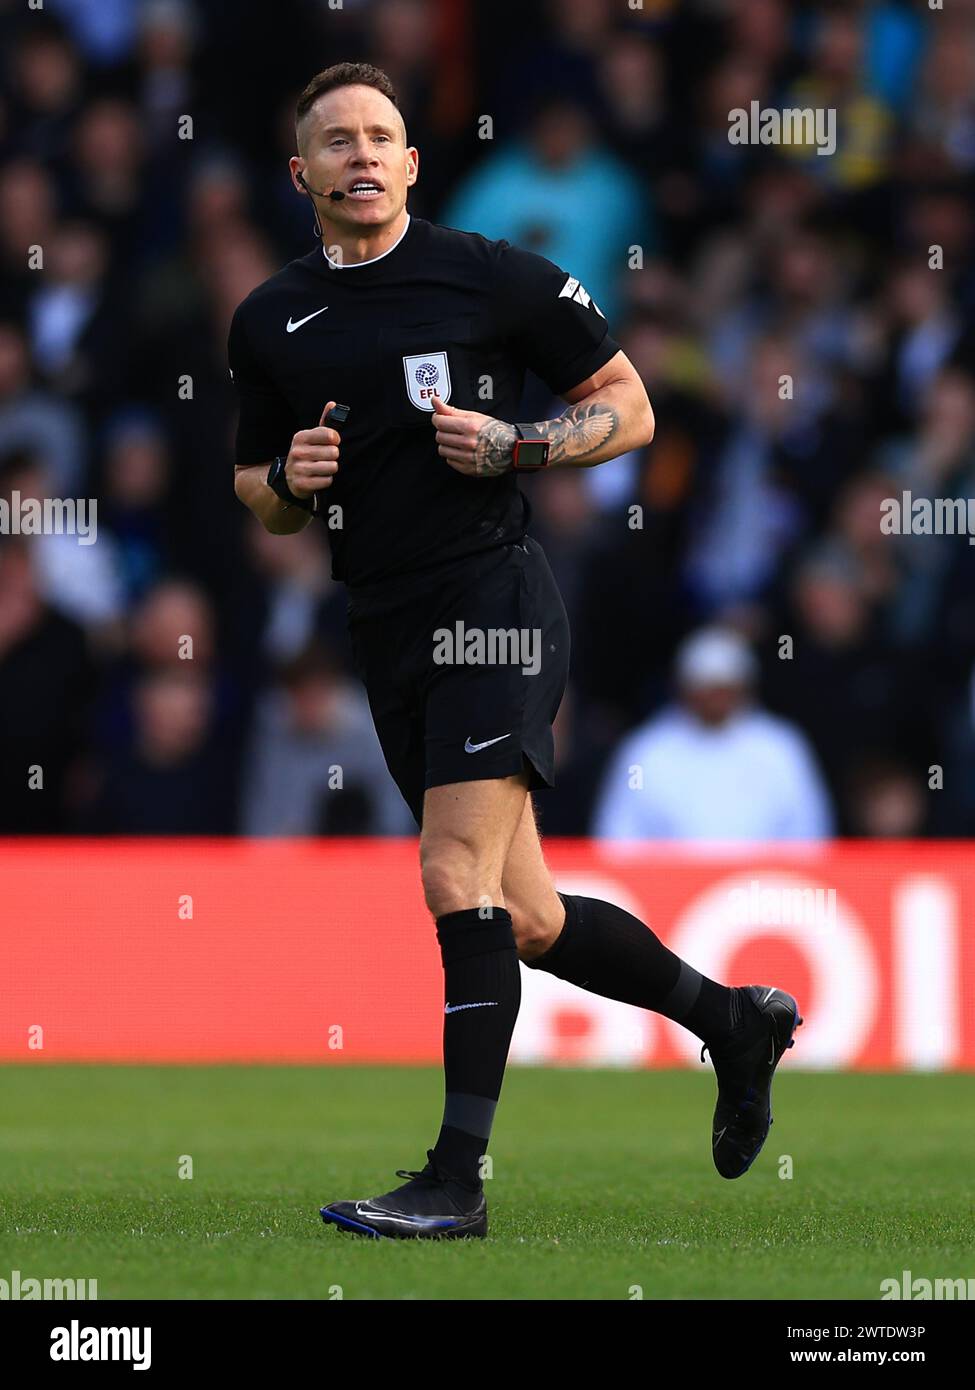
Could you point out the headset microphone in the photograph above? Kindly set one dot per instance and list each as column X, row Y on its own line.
column 335, row 195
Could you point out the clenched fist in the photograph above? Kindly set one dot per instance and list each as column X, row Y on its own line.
column 313, row 459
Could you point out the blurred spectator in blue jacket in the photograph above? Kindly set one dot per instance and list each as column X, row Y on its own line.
column 562, row 195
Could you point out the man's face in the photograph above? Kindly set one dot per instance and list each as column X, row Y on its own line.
column 714, row 703
column 351, row 136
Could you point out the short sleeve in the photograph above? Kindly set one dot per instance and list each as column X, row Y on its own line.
column 551, row 323
column 266, row 425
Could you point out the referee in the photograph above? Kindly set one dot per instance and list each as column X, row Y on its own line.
column 458, row 630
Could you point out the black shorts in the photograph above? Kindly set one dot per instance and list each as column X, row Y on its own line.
column 465, row 669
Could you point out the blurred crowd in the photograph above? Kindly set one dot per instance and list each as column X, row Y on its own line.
column 753, row 657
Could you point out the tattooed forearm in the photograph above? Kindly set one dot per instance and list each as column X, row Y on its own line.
column 584, row 429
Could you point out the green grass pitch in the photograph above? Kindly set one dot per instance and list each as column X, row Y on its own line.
column 602, row 1182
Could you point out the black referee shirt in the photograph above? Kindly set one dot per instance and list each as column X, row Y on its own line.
column 442, row 311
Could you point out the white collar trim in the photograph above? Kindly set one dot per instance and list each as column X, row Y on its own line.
column 335, row 265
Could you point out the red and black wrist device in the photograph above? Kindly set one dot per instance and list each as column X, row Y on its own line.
column 529, row 452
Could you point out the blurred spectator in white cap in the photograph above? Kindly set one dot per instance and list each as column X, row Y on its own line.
column 714, row 766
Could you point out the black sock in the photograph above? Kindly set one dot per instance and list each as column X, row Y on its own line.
column 482, row 990
column 610, row 952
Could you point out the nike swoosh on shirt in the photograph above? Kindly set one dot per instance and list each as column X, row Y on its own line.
column 486, row 1004
column 476, row 747
column 292, row 325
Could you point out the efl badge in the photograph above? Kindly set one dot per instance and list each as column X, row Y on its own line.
column 427, row 375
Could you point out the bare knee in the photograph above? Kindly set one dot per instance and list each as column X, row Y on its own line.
column 455, row 877
column 535, row 927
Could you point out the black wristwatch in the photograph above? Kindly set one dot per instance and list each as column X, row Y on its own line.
column 277, row 480
column 529, row 451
